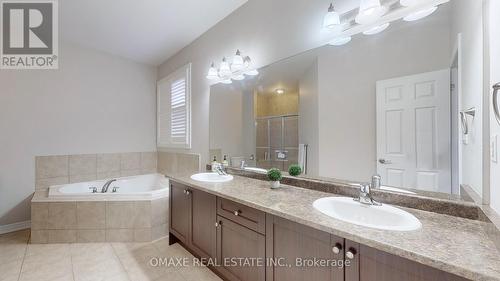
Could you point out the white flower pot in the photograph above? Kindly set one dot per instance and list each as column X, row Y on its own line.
column 275, row 184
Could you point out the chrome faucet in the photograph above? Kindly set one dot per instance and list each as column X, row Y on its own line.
column 365, row 196
column 106, row 185
column 220, row 170
column 376, row 181
column 243, row 164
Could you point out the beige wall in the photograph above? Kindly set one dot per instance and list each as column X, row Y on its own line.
column 249, row 28
column 94, row 103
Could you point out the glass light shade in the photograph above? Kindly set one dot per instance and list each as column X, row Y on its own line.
column 408, row 3
column 224, row 69
column 370, row 11
column 238, row 77
column 280, row 91
column 212, row 73
column 420, row 14
column 227, row 81
column 237, row 63
column 376, row 29
column 252, row 72
column 338, row 41
column 331, row 19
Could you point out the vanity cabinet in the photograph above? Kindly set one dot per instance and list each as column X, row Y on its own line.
column 192, row 219
column 250, row 245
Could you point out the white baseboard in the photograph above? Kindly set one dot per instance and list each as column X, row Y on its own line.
column 14, row 226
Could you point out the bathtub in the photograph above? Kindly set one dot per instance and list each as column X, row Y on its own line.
column 144, row 187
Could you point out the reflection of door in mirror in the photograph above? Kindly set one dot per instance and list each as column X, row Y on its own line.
column 413, row 131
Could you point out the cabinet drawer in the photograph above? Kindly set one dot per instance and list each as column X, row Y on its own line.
column 241, row 214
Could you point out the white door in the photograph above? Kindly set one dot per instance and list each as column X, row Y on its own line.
column 413, row 131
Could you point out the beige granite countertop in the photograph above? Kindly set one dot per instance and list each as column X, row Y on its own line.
column 456, row 245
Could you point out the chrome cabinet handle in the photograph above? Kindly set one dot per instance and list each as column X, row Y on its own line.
column 496, row 88
column 188, row 192
column 237, row 212
column 350, row 254
column 217, row 224
column 337, row 248
column 385, row 162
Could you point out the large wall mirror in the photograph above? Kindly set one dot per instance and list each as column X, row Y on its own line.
column 404, row 104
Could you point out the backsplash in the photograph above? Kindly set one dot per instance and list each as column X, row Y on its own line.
column 63, row 169
column 172, row 162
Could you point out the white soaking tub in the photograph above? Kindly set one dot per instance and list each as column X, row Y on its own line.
column 142, row 187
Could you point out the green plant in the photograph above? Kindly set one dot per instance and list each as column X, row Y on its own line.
column 274, row 174
column 294, row 170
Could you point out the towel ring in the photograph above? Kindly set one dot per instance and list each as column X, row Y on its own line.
column 496, row 88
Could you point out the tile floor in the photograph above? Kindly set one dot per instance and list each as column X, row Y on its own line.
column 21, row 261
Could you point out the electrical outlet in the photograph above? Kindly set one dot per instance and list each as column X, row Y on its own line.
column 494, row 149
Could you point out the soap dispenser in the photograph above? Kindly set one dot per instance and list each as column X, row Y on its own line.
column 214, row 164
column 225, row 163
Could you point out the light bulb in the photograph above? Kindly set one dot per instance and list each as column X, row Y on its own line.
column 212, row 72
column 280, row 91
column 338, row 41
column 224, row 69
column 237, row 63
column 376, row 29
column 370, row 11
column 420, row 14
column 332, row 19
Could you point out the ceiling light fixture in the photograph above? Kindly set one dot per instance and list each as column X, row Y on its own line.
column 420, row 14
column 234, row 70
column 370, row 11
column 376, row 29
column 280, row 91
column 331, row 20
column 339, row 41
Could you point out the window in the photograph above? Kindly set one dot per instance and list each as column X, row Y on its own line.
column 174, row 109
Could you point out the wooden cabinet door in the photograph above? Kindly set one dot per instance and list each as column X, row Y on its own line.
column 376, row 265
column 240, row 252
column 180, row 211
column 300, row 246
column 352, row 259
column 203, row 218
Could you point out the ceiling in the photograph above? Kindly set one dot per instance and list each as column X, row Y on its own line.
column 144, row 31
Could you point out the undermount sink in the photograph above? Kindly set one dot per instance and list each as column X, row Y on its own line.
column 383, row 217
column 211, row 177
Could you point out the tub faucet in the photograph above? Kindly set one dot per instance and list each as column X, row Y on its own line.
column 106, row 185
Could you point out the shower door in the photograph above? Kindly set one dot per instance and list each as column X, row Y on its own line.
column 277, row 141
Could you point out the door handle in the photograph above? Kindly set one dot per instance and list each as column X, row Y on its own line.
column 496, row 88
column 385, row 162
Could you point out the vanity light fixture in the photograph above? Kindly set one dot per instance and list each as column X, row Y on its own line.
column 370, row 11
column 420, row 14
column 280, row 91
column 236, row 69
column 376, row 29
column 331, row 21
column 339, row 41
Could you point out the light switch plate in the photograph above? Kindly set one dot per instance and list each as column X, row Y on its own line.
column 494, row 149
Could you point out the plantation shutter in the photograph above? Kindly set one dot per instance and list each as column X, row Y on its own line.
column 174, row 109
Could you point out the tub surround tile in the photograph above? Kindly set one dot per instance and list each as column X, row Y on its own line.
column 82, row 178
column 109, row 162
column 129, row 173
column 39, row 215
column 42, row 184
column 149, row 161
column 51, row 166
column 62, row 215
column 39, row 236
column 130, row 161
column 142, row 234
column 62, row 236
column 188, row 162
column 142, row 214
column 171, row 162
column 159, row 211
column 91, row 215
column 160, row 231
column 108, row 175
column 84, row 164
column 120, row 214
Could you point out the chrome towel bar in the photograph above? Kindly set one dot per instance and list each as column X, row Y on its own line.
column 496, row 88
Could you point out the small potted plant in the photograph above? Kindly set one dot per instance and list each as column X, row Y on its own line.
column 294, row 170
column 274, row 175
